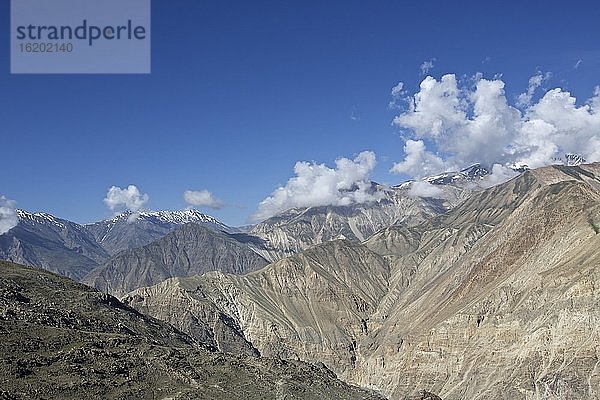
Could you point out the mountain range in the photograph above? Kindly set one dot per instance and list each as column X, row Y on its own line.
column 55, row 244
column 496, row 298
column 130, row 230
column 462, row 290
column 300, row 228
column 86, row 251
column 74, row 250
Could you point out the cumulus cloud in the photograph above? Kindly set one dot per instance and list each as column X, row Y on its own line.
column 318, row 185
column 424, row 189
column 8, row 215
column 202, row 198
column 435, row 109
column 427, row 66
column 129, row 199
column 452, row 126
column 418, row 162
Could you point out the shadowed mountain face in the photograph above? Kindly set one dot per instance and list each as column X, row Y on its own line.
column 127, row 231
column 498, row 298
column 45, row 241
column 189, row 250
column 73, row 250
column 64, row 340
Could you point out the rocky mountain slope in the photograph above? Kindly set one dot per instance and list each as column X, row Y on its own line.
column 52, row 243
column 498, row 298
column 313, row 305
column 127, row 230
column 64, row 340
column 500, row 295
column 191, row 249
column 299, row 228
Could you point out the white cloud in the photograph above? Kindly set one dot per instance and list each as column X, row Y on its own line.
column 8, row 215
column 418, row 162
column 129, row 199
column 499, row 174
column 318, row 185
column 427, row 66
column 398, row 94
column 397, row 90
column 451, row 126
column 202, row 198
column 435, row 109
column 524, row 99
column 424, row 189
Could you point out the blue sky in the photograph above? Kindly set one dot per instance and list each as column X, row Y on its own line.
column 240, row 91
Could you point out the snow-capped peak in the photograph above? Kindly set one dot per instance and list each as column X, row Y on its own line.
column 40, row 218
column 573, row 159
column 179, row 217
column 475, row 171
column 472, row 172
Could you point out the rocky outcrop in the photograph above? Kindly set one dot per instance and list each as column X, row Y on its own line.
column 423, row 395
column 189, row 311
column 189, row 250
column 498, row 298
column 63, row 340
